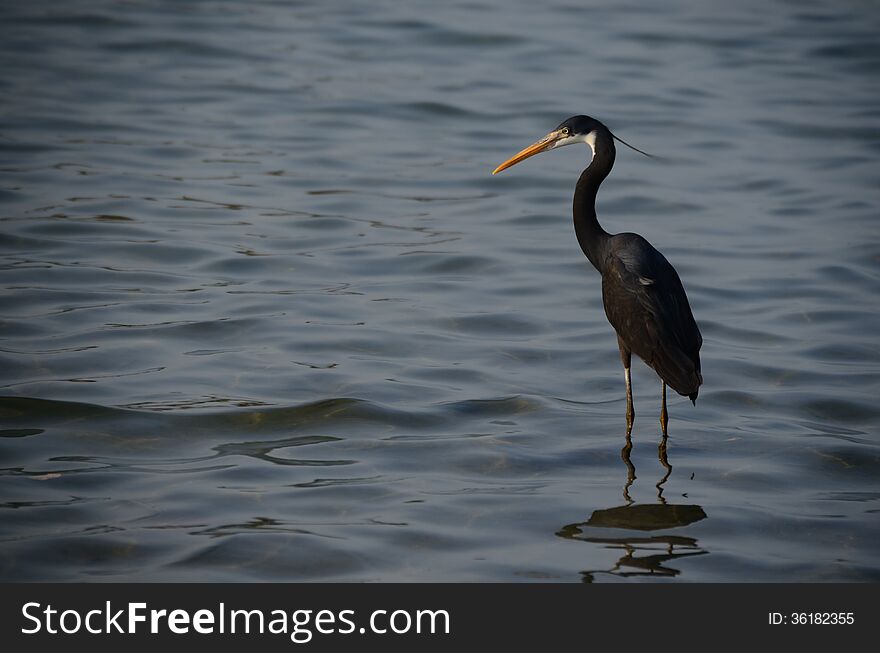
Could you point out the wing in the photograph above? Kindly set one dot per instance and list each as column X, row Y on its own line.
column 648, row 307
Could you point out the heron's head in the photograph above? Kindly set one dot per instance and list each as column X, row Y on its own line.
column 577, row 129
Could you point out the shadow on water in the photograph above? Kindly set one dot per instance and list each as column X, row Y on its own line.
column 643, row 555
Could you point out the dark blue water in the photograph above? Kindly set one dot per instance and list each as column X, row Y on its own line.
column 266, row 315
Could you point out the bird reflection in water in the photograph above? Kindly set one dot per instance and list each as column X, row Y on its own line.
column 631, row 469
column 613, row 528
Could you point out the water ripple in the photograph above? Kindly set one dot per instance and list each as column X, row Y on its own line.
column 266, row 314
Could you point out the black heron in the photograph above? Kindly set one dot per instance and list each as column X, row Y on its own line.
column 642, row 293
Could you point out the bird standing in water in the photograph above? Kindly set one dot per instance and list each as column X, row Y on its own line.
column 643, row 296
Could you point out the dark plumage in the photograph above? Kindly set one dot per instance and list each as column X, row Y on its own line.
column 644, row 299
column 647, row 306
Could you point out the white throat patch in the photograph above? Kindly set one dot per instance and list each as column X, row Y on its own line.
column 590, row 139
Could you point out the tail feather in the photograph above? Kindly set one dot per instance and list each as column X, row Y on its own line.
column 679, row 371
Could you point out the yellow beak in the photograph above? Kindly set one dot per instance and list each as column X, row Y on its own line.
column 533, row 149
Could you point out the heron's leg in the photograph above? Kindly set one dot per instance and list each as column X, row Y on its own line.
column 664, row 416
column 630, row 410
column 626, row 359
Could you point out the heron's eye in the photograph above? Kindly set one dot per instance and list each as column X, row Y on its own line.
column 564, row 131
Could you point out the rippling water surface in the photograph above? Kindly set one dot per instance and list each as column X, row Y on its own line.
column 265, row 314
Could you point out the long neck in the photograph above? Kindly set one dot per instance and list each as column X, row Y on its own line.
column 592, row 238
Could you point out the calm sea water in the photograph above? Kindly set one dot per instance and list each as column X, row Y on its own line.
column 265, row 313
